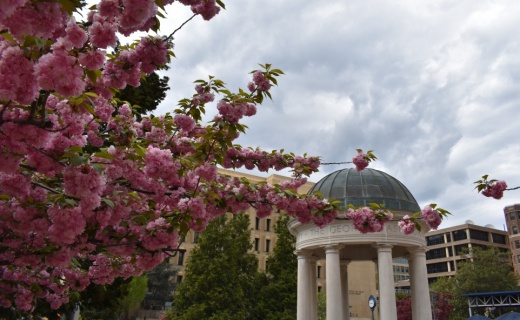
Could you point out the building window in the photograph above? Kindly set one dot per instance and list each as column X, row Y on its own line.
column 498, row 238
column 512, row 215
column 459, row 235
column 478, row 235
column 452, row 266
column 517, row 244
column 268, row 225
column 436, row 253
column 433, row 240
column 448, row 237
column 195, row 237
column 180, row 261
column 179, row 279
column 450, row 252
column 437, row 267
column 518, row 258
column 318, row 272
column 481, row 246
column 460, row 248
column 518, row 213
column 514, row 230
column 257, row 244
column 267, row 245
column 319, row 288
column 257, row 223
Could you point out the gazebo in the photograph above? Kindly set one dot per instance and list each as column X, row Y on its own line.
column 339, row 243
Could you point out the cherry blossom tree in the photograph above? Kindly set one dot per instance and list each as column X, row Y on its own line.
column 492, row 188
column 88, row 191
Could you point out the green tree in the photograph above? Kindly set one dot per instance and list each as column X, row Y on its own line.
column 148, row 95
column 277, row 299
column 221, row 275
column 160, row 286
column 483, row 271
column 136, row 292
column 322, row 306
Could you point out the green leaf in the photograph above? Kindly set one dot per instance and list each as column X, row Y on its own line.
column 69, row 5
column 109, row 202
column 77, row 160
column 7, row 36
column 134, row 195
column 104, row 154
column 221, row 4
column 89, row 108
column 74, row 149
column 140, row 150
column 91, row 94
column 5, row 197
column 93, row 75
column 70, row 202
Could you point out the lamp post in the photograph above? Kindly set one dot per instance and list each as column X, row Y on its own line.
column 372, row 304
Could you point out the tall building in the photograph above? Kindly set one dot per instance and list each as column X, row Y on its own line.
column 512, row 218
column 263, row 236
column 445, row 246
column 358, row 189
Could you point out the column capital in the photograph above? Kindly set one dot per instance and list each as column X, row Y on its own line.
column 421, row 249
column 333, row 247
column 302, row 254
column 383, row 246
column 416, row 252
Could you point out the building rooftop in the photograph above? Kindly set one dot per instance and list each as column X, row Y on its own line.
column 360, row 188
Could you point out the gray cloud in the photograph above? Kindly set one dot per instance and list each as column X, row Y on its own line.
column 431, row 86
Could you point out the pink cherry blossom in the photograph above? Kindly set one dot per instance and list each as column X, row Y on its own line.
column 92, row 60
column 206, row 8
column 17, row 81
column 431, row 216
column 360, row 161
column 260, row 81
column 495, row 190
column 366, row 220
column 406, row 224
column 103, row 34
column 76, row 36
column 60, row 72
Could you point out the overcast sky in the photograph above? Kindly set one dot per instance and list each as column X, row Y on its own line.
column 431, row 86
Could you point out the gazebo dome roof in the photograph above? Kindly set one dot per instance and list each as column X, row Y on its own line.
column 360, row 188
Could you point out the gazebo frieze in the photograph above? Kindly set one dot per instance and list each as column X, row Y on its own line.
column 343, row 232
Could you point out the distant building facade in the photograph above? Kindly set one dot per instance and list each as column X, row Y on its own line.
column 263, row 236
column 445, row 246
column 512, row 218
column 264, row 239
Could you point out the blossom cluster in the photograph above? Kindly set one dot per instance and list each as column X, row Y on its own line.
column 495, row 190
column 90, row 192
column 367, row 220
column 361, row 159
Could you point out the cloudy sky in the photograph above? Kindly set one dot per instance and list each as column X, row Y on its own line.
column 431, row 86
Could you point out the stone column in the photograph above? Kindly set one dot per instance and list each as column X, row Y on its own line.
column 303, row 298
column 313, row 289
column 421, row 305
column 387, row 307
column 333, row 281
column 344, row 288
